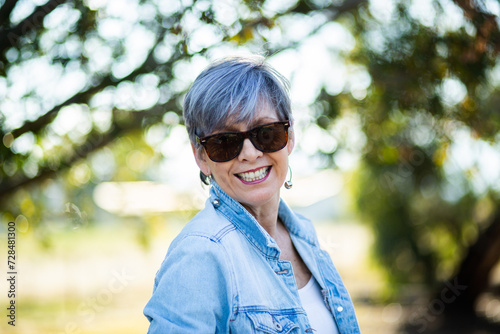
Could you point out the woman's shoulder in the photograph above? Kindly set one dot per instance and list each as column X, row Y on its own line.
column 197, row 240
column 206, row 225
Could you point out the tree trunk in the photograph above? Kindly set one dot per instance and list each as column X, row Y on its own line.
column 460, row 294
column 451, row 309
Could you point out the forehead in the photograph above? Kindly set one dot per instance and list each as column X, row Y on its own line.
column 264, row 113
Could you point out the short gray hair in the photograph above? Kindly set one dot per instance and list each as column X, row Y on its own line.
column 233, row 88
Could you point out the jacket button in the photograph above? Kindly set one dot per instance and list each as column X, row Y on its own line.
column 340, row 308
column 278, row 326
column 282, row 272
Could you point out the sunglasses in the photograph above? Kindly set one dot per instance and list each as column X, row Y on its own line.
column 226, row 146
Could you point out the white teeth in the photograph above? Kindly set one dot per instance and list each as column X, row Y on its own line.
column 254, row 176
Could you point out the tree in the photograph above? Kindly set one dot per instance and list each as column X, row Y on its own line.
column 145, row 56
column 435, row 213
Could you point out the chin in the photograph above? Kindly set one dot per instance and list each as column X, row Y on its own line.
column 258, row 198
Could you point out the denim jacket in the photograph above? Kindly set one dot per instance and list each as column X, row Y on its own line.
column 222, row 274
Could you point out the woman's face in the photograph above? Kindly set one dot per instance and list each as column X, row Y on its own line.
column 253, row 178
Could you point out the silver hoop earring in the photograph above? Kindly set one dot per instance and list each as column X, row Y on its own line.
column 289, row 183
column 216, row 200
column 205, row 179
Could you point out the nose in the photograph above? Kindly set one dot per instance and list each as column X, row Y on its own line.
column 249, row 152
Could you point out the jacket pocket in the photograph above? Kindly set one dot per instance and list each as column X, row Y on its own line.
column 273, row 324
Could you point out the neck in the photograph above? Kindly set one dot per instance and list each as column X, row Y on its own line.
column 266, row 215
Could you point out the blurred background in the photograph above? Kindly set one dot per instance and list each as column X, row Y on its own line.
column 397, row 161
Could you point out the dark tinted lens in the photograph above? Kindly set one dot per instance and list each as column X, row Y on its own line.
column 270, row 138
column 266, row 138
column 223, row 147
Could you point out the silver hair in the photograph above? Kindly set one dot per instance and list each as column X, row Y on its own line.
column 231, row 90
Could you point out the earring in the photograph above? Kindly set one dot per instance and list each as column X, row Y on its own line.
column 216, row 200
column 289, row 183
column 206, row 179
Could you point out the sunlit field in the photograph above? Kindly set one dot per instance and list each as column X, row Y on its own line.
column 97, row 279
column 96, row 276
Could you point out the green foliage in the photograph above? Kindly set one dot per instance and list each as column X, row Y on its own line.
column 405, row 191
column 103, row 75
column 101, row 78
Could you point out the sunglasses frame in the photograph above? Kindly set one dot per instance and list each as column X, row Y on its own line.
column 245, row 134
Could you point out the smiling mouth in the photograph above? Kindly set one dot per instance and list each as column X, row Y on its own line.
column 256, row 175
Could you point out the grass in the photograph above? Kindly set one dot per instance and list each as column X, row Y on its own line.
column 68, row 278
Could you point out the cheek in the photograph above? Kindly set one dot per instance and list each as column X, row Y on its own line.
column 282, row 162
column 220, row 169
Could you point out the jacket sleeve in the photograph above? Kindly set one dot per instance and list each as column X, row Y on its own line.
column 191, row 291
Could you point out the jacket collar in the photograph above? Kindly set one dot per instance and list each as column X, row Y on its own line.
column 250, row 227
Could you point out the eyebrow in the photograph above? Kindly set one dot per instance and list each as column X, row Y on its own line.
column 252, row 124
column 263, row 120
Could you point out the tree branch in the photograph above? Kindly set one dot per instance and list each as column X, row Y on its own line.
column 93, row 143
column 306, row 7
column 82, row 97
column 346, row 6
column 486, row 24
column 10, row 37
column 475, row 269
column 5, row 11
column 36, row 125
column 332, row 12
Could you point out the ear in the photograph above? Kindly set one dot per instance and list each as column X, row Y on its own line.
column 201, row 159
column 291, row 140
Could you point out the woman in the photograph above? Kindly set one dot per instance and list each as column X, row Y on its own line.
column 246, row 263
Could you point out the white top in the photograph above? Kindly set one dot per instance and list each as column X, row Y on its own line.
column 320, row 318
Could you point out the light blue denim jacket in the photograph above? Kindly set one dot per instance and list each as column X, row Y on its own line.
column 222, row 274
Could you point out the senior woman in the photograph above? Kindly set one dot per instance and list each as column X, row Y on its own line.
column 246, row 263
